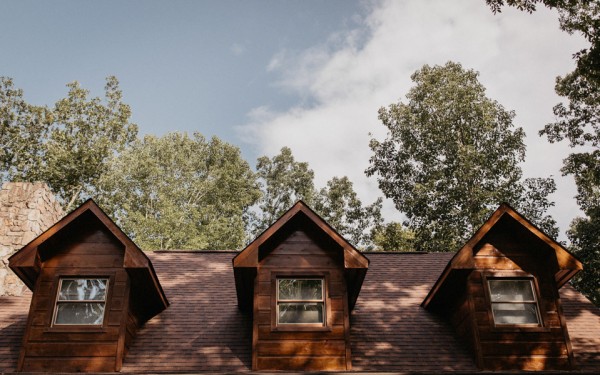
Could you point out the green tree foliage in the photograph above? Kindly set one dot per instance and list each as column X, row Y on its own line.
column 451, row 156
column 340, row 206
column 393, row 237
column 22, row 126
column 283, row 181
column 66, row 146
column 585, row 238
column 180, row 192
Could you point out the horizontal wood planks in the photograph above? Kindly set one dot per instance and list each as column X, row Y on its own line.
column 93, row 252
column 513, row 347
column 463, row 321
column 303, row 349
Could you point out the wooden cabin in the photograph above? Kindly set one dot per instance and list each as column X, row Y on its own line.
column 92, row 288
column 300, row 279
column 298, row 298
column 501, row 293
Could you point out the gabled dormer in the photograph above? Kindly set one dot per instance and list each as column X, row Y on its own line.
column 92, row 288
column 300, row 279
column 500, row 292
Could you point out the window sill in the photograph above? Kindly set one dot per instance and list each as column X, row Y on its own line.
column 75, row 329
column 300, row 328
column 519, row 328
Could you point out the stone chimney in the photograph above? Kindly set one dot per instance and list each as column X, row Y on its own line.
column 26, row 210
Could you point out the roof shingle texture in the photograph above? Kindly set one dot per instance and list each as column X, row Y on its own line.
column 203, row 330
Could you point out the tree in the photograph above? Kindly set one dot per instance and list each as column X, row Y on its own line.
column 283, row 181
column 180, row 192
column 22, row 126
column 66, row 146
column 393, row 237
column 585, row 238
column 451, row 156
column 340, row 206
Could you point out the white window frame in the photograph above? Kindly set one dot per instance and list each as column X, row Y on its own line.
column 534, row 301
column 58, row 301
column 322, row 301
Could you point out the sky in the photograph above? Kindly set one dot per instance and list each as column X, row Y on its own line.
column 305, row 74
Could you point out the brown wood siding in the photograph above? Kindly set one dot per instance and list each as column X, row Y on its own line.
column 463, row 320
column 303, row 349
column 93, row 252
column 512, row 348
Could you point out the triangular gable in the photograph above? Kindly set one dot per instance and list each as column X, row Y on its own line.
column 26, row 262
column 246, row 262
column 249, row 256
column 463, row 260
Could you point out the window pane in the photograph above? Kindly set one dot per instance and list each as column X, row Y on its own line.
column 515, row 313
column 301, row 312
column 300, row 289
column 511, row 291
column 82, row 289
column 79, row 313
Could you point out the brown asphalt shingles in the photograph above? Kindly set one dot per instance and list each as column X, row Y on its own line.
column 203, row 330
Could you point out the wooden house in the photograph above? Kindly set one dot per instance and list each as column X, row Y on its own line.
column 298, row 298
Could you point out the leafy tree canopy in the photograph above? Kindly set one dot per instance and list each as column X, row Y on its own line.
column 393, row 237
column 22, row 126
column 451, row 156
column 180, row 192
column 585, row 238
column 66, row 146
column 340, row 206
column 284, row 181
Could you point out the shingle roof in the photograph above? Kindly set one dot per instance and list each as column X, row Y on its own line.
column 203, row 330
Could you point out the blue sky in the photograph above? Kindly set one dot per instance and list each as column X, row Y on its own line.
column 306, row 74
column 183, row 65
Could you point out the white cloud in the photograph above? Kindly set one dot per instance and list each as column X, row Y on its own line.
column 353, row 73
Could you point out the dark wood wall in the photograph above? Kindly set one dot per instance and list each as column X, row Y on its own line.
column 302, row 349
column 92, row 252
column 462, row 318
column 507, row 348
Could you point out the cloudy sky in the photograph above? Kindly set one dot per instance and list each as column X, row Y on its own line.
column 305, row 74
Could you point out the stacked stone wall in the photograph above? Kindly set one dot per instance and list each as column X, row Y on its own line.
column 26, row 210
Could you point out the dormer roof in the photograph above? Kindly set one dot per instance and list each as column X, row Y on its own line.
column 27, row 262
column 507, row 220
column 300, row 216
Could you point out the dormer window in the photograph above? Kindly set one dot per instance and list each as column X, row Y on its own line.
column 80, row 301
column 300, row 301
column 98, row 286
column 299, row 279
column 513, row 301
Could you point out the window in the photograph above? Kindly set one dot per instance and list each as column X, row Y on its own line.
column 300, row 301
column 80, row 301
column 513, row 301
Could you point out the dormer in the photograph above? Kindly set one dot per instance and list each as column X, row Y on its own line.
column 500, row 292
column 92, row 288
column 300, row 279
